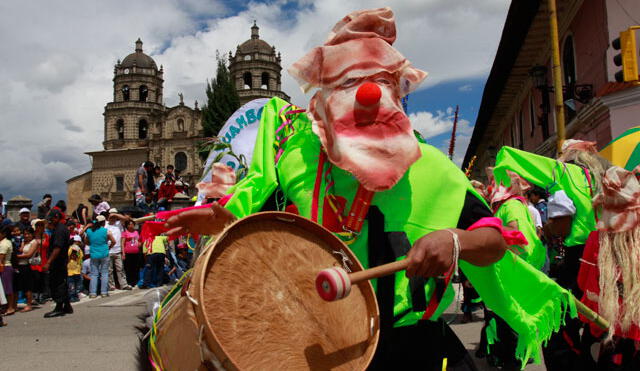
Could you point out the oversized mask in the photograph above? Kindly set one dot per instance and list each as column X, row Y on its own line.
column 357, row 113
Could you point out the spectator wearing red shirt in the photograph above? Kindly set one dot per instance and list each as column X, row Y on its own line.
column 166, row 192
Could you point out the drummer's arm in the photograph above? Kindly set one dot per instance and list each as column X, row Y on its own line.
column 432, row 254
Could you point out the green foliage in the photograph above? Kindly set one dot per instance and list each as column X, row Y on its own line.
column 222, row 100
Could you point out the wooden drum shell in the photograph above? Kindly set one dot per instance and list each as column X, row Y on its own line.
column 257, row 306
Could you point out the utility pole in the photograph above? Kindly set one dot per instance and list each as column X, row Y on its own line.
column 557, row 75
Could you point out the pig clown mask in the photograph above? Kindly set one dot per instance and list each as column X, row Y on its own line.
column 357, row 113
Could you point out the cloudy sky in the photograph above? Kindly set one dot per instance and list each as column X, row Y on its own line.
column 57, row 58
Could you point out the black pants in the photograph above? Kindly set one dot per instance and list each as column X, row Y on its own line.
column 132, row 268
column 422, row 346
column 567, row 349
column 58, row 285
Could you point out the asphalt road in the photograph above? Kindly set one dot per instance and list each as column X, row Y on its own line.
column 101, row 335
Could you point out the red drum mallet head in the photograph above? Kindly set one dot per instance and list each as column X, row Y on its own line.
column 333, row 284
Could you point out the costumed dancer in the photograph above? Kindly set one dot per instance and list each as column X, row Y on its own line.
column 355, row 150
column 610, row 266
column 585, row 154
column 498, row 340
column 571, row 220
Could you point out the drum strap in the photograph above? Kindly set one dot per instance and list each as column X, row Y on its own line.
column 380, row 252
column 386, row 247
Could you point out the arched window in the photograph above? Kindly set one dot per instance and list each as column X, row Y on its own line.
column 125, row 93
column 180, row 161
column 247, row 57
column 569, row 61
column 532, row 114
column 569, row 75
column 246, row 77
column 143, row 129
column 144, row 93
column 120, row 128
column 265, row 81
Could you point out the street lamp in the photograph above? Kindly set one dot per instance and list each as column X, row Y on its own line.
column 582, row 93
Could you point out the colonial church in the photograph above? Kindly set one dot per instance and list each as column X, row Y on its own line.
column 139, row 127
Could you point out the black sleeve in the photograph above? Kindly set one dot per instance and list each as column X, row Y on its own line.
column 472, row 211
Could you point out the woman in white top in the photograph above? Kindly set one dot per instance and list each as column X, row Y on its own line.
column 24, row 275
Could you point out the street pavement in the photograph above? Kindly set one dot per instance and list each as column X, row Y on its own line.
column 101, row 335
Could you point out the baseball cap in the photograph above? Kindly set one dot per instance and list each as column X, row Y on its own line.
column 113, row 210
column 100, row 218
column 77, row 238
column 24, row 210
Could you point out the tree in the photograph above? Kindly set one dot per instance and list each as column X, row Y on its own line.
column 222, row 100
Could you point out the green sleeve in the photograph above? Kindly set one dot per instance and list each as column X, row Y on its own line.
column 250, row 194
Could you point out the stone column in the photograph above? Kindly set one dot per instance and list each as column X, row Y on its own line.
column 15, row 204
column 180, row 201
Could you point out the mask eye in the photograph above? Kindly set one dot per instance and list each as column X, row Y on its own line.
column 383, row 81
column 349, row 83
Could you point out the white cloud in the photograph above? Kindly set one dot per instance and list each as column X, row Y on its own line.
column 465, row 88
column 56, row 69
column 431, row 125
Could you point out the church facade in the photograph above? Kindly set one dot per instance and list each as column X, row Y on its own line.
column 139, row 127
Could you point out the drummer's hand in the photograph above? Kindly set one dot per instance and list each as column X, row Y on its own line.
column 431, row 255
column 200, row 221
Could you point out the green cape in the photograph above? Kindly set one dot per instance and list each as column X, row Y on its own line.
column 552, row 175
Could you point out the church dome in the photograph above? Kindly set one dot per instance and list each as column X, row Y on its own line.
column 138, row 58
column 255, row 44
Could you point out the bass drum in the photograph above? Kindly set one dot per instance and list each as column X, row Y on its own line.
column 251, row 303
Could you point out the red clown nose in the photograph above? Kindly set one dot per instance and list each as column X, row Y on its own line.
column 368, row 94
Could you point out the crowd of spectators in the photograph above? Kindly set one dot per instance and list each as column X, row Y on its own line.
column 155, row 190
column 61, row 257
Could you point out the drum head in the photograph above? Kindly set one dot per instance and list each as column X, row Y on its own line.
column 261, row 306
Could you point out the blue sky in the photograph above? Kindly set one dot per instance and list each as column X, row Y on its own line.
column 57, row 76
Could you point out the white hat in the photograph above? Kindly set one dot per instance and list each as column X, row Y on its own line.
column 113, row 210
column 77, row 238
column 100, row 218
column 560, row 205
column 24, row 210
column 34, row 222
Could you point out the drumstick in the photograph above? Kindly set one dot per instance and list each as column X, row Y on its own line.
column 144, row 218
column 335, row 284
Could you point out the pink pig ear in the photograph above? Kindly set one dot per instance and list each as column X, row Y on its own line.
column 308, row 69
column 410, row 79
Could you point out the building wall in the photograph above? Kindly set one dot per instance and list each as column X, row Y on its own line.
column 588, row 28
column 78, row 191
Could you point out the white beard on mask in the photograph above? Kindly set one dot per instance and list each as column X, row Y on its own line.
column 378, row 164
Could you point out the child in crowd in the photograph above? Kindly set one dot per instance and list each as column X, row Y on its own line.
column 131, row 245
column 86, row 272
column 16, row 241
column 74, row 269
column 149, row 206
column 155, row 262
column 24, row 278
